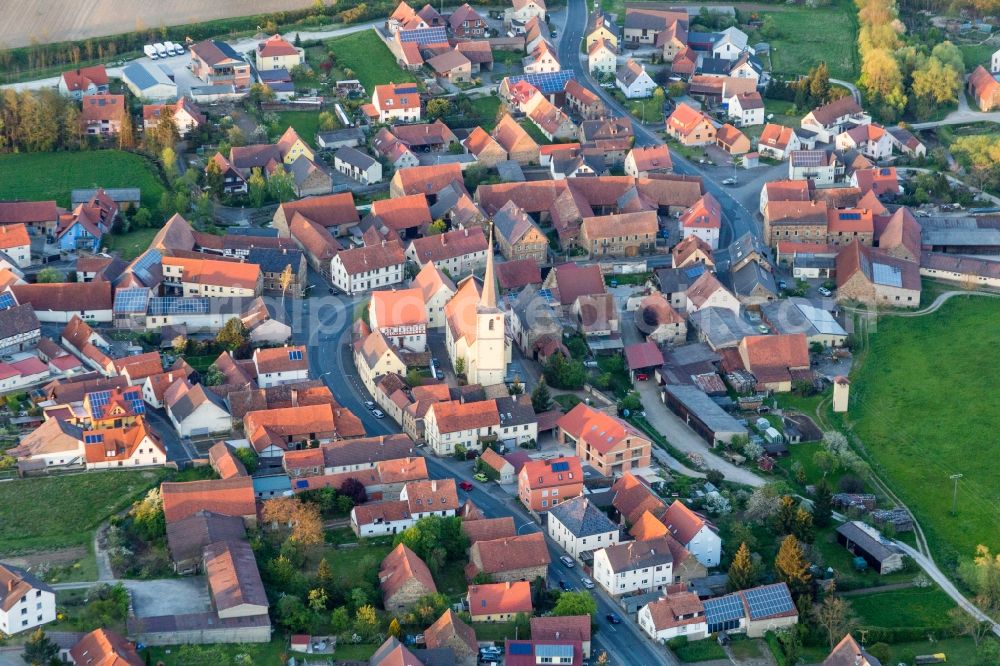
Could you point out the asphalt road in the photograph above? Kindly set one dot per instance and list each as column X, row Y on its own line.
column 324, row 326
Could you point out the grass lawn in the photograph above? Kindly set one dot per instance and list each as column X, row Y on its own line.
column 41, row 176
column 129, row 245
column 28, row 523
column 831, row 38
column 567, row 401
column 260, row 653
column 912, row 607
column 745, row 649
column 306, row 123
column 451, row 581
column 353, row 563
column 535, row 133
column 485, row 109
column 782, row 112
column 645, row 111
column 370, row 60
column 927, row 408
column 958, row 650
column 976, row 54
column 496, row 631
column 703, row 650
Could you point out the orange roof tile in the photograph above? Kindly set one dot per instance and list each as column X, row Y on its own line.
column 538, row 474
column 400, row 567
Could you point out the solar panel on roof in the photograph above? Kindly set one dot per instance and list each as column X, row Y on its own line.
column 295, row 355
column 850, row 216
column 148, row 259
column 521, row 649
column 424, row 35
column 723, row 613
column 768, row 601
column 884, row 172
column 887, row 275
column 546, row 82
column 6, row 300
column 301, row 483
column 562, row 466
column 177, row 305
column 554, row 651
column 132, row 299
column 93, row 439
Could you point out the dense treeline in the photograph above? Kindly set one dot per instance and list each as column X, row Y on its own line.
column 901, row 76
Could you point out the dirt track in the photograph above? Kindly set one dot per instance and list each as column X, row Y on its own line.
column 59, row 20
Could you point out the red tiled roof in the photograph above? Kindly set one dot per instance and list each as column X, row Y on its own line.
column 537, row 474
column 455, row 243
column 682, row 522
column 643, row 355
column 276, row 45
column 229, row 497
column 372, row 257
column 80, row 79
column 494, row 598
column 400, row 567
column 329, row 210
column 456, row 416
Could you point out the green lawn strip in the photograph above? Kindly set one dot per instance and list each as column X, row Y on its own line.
column 703, row 650
column 369, row 58
column 976, row 54
column 451, row 582
column 927, row 408
column 306, row 124
column 130, row 245
column 260, row 653
column 831, row 38
column 42, row 176
column 567, row 401
column 911, row 607
column 535, row 133
column 29, row 523
column 496, row 631
column 834, row 555
column 957, row 650
column 744, row 648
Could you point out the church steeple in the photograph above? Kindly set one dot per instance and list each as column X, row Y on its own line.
column 488, row 299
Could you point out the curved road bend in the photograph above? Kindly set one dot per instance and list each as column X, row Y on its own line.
column 327, row 338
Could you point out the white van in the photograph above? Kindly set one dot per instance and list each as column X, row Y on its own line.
column 161, row 50
column 150, row 52
column 169, row 48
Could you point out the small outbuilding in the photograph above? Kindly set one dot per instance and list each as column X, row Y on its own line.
column 866, row 542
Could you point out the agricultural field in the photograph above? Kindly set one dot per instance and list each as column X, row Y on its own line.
column 927, row 408
column 29, row 523
column 911, row 607
column 41, row 176
column 809, row 36
column 370, row 60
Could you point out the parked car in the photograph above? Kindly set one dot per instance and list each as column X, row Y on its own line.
column 587, row 583
column 641, row 377
column 568, row 561
column 825, row 292
column 782, row 284
column 562, row 585
column 369, row 404
column 466, row 486
column 481, row 478
column 378, row 413
column 729, row 181
column 614, row 618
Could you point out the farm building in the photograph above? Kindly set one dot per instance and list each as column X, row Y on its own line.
column 702, row 414
column 866, row 542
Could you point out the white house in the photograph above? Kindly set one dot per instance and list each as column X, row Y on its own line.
column 677, row 614
column 995, row 62
column 454, row 423
column 401, row 317
column 633, row 80
column 581, row 528
column 522, row 11
column 730, row 44
column 602, row 57
column 437, row 289
column 397, row 102
column 25, row 601
column 834, row 117
column 134, row 445
column 16, row 244
column 872, row 141
column 281, row 365
column 369, row 267
column 357, row 165
column 746, row 109
column 635, row 566
column 194, row 411
column 694, row 533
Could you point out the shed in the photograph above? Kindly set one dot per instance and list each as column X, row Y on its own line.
column 149, row 82
column 865, row 541
column 702, row 414
column 772, row 435
column 643, row 358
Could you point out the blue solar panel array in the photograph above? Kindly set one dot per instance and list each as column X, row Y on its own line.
column 132, row 300
column 723, row 613
column 521, row 649
column 560, row 466
column 6, row 300
column 424, row 35
column 176, row 305
column 850, row 216
column 93, row 439
column 294, row 354
column 768, row 601
column 133, row 398
column 147, row 260
column 546, row 82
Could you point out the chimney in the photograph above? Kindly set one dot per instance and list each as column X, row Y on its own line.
column 434, row 485
column 295, row 397
column 10, row 584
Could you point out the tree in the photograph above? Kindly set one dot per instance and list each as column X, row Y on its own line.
column 147, row 516
column 327, row 121
column 355, row 490
column 564, row 374
column 169, row 159
column 340, row 620
column 366, row 622
column 823, row 505
column 213, row 376
column 834, row 615
column 715, row 477
column 248, row 457
column 233, row 335
column 785, row 518
column 48, row 275
column 540, row 398
column 435, row 539
column 460, row 366
column 287, row 279
column 968, row 625
column 437, row 227
column 791, row 566
column 213, row 178
column 803, row 526
column 40, row 650
column 438, row 107
column 258, row 187
column 318, row 599
column 235, row 137
column 983, row 576
column 293, row 614
column 742, row 572
column 141, row 218
column 937, row 82
column 204, row 211
column 762, row 504
column 575, row 603
column 281, row 185
column 303, row 518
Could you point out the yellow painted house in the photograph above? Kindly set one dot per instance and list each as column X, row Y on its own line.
column 602, row 28
column 292, row 147
column 277, row 53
